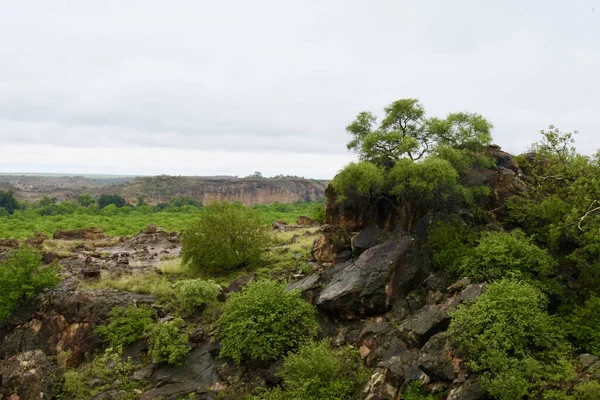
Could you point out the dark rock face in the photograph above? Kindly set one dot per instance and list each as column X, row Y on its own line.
column 64, row 321
column 369, row 285
column 197, row 374
column 332, row 245
column 368, row 238
column 435, row 359
column 28, row 375
column 91, row 233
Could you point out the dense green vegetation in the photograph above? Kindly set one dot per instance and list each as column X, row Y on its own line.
column 126, row 326
column 47, row 216
column 264, row 321
column 225, row 236
column 22, row 276
column 167, row 341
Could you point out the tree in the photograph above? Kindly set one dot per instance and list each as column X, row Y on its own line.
column 226, row 236
column 107, row 199
column 22, row 277
column 85, row 200
column 8, row 201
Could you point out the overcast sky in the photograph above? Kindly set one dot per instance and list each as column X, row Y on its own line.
column 193, row 87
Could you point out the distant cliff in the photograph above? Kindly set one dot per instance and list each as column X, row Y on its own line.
column 158, row 189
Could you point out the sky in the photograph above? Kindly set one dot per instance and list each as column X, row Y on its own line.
column 194, row 87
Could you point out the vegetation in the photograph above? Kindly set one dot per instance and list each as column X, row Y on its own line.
column 225, row 237
column 584, row 325
column 511, row 341
column 126, row 326
column 8, row 203
column 22, row 276
column 167, row 341
column 264, row 321
column 192, row 293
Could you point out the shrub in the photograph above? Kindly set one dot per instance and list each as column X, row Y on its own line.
column 316, row 372
column 450, row 241
column 126, row 326
column 191, row 293
column 584, row 325
column 167, row 342
column 108, row 199
column 415, row 391
column 22, row 276
column 587, row 390
column 507, row 255
column 263, row 321
column 107, row 371
column 226, row 236
column 509, row 339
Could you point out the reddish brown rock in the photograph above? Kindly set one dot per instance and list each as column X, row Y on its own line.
column 304, row 220
column 91, row 233
column 332, row 245
column 28, row 376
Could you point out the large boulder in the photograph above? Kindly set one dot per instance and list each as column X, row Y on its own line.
column 30, row 375
column 62, row 323
column 368, row 238
column 332, row 245
column 370, row 284
column 91, row 233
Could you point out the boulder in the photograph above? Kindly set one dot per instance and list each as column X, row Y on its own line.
column 304, row 220
column 91, row 233
column 435, row 359
column 37, row 240
column 368, row 238
column 467, row 390
column 30, row 375
column 63, row 322
column 332, row 245
column 308, row 287
column 370, row 284
column 151, row 228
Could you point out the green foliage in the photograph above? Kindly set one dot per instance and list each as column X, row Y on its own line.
column 466, row 131
column 85, row 200
column 225, row 237
column 364, row 178
column 450, row 240
column 22, row 277
column 191, row 293
column 167, row 341
column 587, row 390
column 509, row 339
column 263, row 321
column 507, row 255
column 584, row 325
column 8, row 201
column 107, row 371
column 126, row 326
column 108, row 199
column 415, row 391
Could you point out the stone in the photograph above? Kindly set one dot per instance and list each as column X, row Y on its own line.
column 304, row 220
column 30, row 375
column 332, row 245
column 368, row 238
column 308, row 287
column 467, row 390
column 91, row 233
column 435, row 359
column 370, row 284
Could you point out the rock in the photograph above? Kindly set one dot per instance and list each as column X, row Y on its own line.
column 196, row 374
column 370, row 284
column 587, row 359
column 151, row 228
column 8, row 244
column 368, row 238
column 278, row 226
column 435, row 359
column 236, row 286
column 37, row 240
column 91, row 233
column 64, row 323
column 379, row 341
column 503, row 159
column 304, row 220
column 49, row 257
column 28, row 375
column 308, row 287
column 332, row 245
column 468, row 390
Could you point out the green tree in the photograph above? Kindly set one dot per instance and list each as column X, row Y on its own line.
column 263, row 321
column 584, row 325
column 226, row 236
column 8, row 201
column 508, row 338
column 108, row 199
column 22, row 276
column 85, row 200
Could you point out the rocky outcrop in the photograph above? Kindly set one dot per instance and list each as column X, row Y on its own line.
column 304, row 220
column 332, row 245
column 91, row 233
column 28, row 376
column 370, row 284
column 61, row 323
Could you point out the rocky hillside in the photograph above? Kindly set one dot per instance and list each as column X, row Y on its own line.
column 158, row 189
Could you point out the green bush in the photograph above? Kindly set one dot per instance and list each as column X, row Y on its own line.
column 22, row 277
column 451, row 241
column 126, row 326
column 225, row 237
column 263, row 321
column 587, row 391
column 107, row 371
column 167, row 341
column 584, row 325
column 415, row 391
column 191, row 293
column 508, row 338
column 507, row 255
